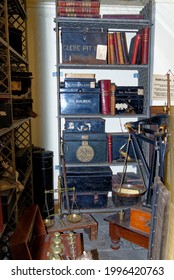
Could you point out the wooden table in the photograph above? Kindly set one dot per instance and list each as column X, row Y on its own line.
column 121, row 229
column 88, row 223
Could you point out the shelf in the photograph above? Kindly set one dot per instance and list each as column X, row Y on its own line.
column 120, row 116
column 133, row 163
column 16, row 123
column 95, row 23
column 127, row 67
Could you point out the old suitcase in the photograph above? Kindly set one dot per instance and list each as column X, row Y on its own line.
column 80, row 101
column 85, row 148
column 87, row 200
column 81, row 46
column 94, row 125
column 5, row 113
column 89, row 178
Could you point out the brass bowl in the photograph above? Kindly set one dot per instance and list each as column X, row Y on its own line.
column 74, row 218
column 129, row 190
column 48, row 223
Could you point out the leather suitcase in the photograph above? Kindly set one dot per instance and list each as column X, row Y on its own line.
column 85, row 179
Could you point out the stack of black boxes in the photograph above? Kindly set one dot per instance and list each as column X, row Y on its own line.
column 85, row 144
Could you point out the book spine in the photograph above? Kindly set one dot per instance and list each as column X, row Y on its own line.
column 116, row 49
column 76, row 3
column 78, row 15
column 109, row 148
column 124, row 47
column 111, row 48
column 108, row 51
column 76, row 10
column 113, row 99
column 135, row 48
column 105, row 91
column 145, row 45
column 120, row 51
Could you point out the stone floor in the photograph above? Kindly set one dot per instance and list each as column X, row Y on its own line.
column 101, row 249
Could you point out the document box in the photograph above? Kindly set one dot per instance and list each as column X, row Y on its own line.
column 85, row 147
column 80, row 46
column 90, row 178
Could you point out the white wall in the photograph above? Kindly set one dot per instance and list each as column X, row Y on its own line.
column 42, row 60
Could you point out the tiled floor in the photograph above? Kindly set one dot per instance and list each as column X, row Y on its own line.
column 101, row 247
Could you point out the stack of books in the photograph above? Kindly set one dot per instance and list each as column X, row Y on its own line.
column 78, row 8
column 136, row 53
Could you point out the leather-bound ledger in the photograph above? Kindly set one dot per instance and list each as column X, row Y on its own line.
column 117, row 59
column 109, row 148
column 120, row 51
column 124, row 47
column 77, row 3
column 113, row 101
column 134, row 47
column 76, row 10
column 105, row 92
column 145, row 45
column 111, row 48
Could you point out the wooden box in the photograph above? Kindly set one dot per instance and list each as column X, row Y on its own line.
column 140, row 219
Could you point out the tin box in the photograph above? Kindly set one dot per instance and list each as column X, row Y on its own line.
column 85, row 147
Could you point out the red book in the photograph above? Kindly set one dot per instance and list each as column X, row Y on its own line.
column 105, row 92
column 116, row 49
column 76, row 10
column 145, row 45
column 109, row 148
column 77, row 3
column 134, row 47
column 78, row 15
column 124, row 16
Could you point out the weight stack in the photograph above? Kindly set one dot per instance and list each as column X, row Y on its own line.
column 43, row 181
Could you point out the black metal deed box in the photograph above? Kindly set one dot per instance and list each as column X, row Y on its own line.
column 80, row 45
column 90, row 178
column 94, row 125
column 79, row 102
column 87, row 200
column 85, row 148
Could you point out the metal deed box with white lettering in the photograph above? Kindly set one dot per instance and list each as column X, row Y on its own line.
column 84, row 46
column 87, row 102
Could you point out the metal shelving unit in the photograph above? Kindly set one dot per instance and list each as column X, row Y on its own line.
column 17, row 136
column 128, row 25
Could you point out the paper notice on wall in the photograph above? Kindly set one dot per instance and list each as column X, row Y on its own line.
column 160, row 88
